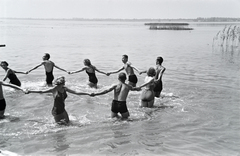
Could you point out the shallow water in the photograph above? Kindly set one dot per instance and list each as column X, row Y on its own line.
column 198, row 113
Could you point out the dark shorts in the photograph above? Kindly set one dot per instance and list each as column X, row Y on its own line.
column 49, row 77
column 119, row 106
column 132, row 78
column 158, row 87
column 2, row 105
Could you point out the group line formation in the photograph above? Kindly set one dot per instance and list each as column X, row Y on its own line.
column 152, row 86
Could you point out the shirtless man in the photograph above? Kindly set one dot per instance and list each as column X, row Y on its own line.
column 132, row 78
column 158, row 77
column 121, row 91
column 49, row 65
column 2, row 99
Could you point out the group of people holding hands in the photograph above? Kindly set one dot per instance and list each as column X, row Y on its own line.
column 152, row 86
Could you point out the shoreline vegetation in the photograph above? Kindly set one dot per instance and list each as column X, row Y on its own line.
column 199, row 19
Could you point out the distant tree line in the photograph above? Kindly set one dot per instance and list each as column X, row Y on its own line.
column 217, row 19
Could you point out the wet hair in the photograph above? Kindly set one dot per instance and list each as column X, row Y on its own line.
column 122, row 77
column 159, row 60
column 47, row 55
column 4, row 62
column 125, row 56
column 151, row 72
column 87, row 62
column 59, row 80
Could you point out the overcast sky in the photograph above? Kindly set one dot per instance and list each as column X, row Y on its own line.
column 124, row 9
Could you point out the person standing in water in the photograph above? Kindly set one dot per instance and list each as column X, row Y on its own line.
column 121, row 91
column 2, row 99
column 11, row 74
column 158, row 77
column 48, row 65
column 59, row 92
column 147, row 96
column 90, row 70
column 132, row 78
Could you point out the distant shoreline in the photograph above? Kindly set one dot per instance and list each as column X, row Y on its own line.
column 200, row 19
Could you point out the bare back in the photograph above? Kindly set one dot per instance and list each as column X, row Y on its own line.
column 128, row 69
column 159, row 69
column 121, row 92
column 48, row 65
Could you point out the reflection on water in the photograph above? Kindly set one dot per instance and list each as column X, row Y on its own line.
column 230, row 54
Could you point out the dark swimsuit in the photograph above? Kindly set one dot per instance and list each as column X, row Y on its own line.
column 49, row 77
column 132, row 78
column 92, row 77
column 2, row 105
column 158, row 86
column 13, row 79
column 59, row 105
column 119, row 106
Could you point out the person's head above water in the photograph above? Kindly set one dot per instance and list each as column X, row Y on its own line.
column 151, row 72
column 87, row 62
column 122, row 77
column 46, row 56
column 59, row 81
column 124, row 58
column 159, row 60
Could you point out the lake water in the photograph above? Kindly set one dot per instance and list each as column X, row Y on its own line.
column 198, row 113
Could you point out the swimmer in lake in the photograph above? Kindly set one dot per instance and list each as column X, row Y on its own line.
column 59, row 92
column 147, row 96
column 90, row 70
column 48, row 65
column 11, row 74
column 129, row 68
column 121, row 91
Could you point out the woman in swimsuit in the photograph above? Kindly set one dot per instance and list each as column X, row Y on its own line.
column 90, row 70
column 59, row 92
column 147, row 96
column 11, row 74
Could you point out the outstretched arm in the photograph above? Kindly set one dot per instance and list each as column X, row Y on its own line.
column 12, row 86
column 105, row 91
column 34, row 68
column 20, row 72
column 76, row 92
column 145, row 71
column 60, row 68
column 101, row 72
column 50, row 90
column 77, row 71
column 135, row 68
column 117, row 71
column 143, row 85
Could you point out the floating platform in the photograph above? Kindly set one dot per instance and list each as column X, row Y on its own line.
column 168, row 26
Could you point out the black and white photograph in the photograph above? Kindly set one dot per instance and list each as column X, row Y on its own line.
column 120, row 78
